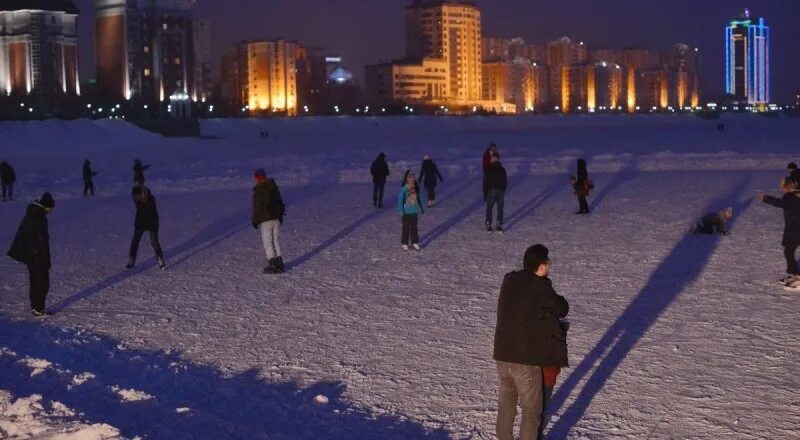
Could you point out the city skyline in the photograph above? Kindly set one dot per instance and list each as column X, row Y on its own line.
column 382, row 37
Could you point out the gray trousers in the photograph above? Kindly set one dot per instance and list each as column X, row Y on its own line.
column 523, row 384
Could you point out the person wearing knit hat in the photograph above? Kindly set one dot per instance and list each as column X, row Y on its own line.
column 429, row 175
column 268, row 212
column 31, row 246
column 530, row 344
column 380, row 172
column 715, row 221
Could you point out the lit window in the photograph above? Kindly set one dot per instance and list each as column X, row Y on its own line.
column 147, row 49
column 177, row 61
column 146, row 72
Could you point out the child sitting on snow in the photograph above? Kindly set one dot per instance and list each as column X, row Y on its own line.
column 715, row 221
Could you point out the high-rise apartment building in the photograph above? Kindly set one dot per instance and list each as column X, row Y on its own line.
column 144, row 49
column 203, row 82
column 261, row 76
column 591, row 86
column 747, row 59
column 563, row 53
column 408, row 81
column 497, row 82
column 39, row 49
column 529, row 85
column 449, row 30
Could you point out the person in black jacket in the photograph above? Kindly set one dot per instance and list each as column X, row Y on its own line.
column 31, row 246
column 88, row 174
column 790, row 203
column 582, row 185
column 138, row 172
column 529, row 335
column 7, row 180
column 495, row 182
column 428, row 175
column 794, row 173
column 146, row 221
column 379, row 171
column 268, row 212
column 715, row 222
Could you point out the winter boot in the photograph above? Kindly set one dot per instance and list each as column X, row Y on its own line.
column 499, row 229
column 488, row 227
column 271, row 266
column 279, row 267
column 41, row 313
column 405, row 247
column 416, row 247
column 161, row 264
column 131, row 263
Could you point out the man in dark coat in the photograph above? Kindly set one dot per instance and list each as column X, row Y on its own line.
column 428, row 175
column 88, row 174
column 268, row 212
column 486, row 161
column 495, row 182
column 529, row 336
column 31, row 246
column 146, row 221
column 790, row 203
column 7, row 180
column 715, row 221
column 138, row 172
column 379, row 171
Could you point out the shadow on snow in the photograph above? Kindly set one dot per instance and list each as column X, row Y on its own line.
column 219, row 406
column 683, row 265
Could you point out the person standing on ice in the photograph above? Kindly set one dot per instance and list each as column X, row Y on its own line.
column 7, row 180
column 31, row 246
column 146, row 221
column 582, row 185
column 410, row 204
column 88, row 175
column 138, row 172
column 529, row 336
column 268, row 211
column 495, row 183
column 379, row 171
column 715, row 221
column 790, row 203
column 428, row 175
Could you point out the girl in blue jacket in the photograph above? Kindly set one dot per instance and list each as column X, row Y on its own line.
column 410, row 204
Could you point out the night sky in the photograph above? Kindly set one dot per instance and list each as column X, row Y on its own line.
column 368, row 31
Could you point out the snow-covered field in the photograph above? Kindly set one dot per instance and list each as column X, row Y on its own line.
column 673, row 336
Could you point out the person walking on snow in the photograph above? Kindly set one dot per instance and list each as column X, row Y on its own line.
column 146, row 221
column 88, row 174
column 582, row 185
column 138, row 172
column 486, row 162
column 794, row 173
column 410, row 204
column 428, row 175
column 529, row 336
column 379, row 171
column 7, row 180
column 268, row 212
column 790, row 203
column 495, row 183
column 715, row 221
column 31, row 246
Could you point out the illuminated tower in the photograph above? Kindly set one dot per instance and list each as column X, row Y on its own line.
column 747, row 59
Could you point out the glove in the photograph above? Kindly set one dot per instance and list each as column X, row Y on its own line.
column 255, row 226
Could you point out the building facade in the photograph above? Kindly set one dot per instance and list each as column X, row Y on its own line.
column 39, row 49
column 497, row 81
column 449, row 30
column 144, row 49
column 747, row 60
column 203, row 81
column 408, row 81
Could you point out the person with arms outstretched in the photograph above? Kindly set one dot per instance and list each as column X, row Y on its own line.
column 790, row 203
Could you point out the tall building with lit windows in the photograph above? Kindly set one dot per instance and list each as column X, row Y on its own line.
column 144, row 49
column 449, row 30
column 39, row 48
column 747, row 59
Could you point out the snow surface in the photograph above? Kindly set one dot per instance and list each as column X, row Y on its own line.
column 672, row 336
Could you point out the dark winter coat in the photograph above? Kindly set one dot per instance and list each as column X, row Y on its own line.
column 429, row 173
column 32, row 243
column 790, row 203
column 146, row 213
column 379, row 170
column 716, row 220
column 7, row 174
column 267, row 203
column 87, row 171
column 529, row 330
column 495, row 178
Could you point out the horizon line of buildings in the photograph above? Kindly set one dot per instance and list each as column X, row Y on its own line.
column 157, row 51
